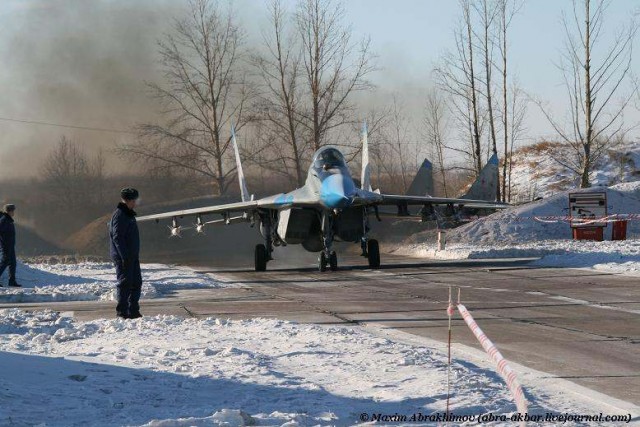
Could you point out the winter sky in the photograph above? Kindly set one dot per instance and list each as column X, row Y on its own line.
column 84, row 62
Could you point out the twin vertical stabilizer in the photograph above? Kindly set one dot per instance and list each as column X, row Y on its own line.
column 422, row 184
column 365, row 178
column 243, row 182
column 485, row 187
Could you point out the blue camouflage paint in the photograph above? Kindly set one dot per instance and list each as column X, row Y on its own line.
column 283, row 200
column 337, row 191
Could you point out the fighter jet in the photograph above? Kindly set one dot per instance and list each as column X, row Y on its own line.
column 328, row 208
column 483, row 188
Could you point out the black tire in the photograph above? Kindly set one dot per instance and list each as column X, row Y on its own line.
column 373, row 250
column 261, row 257
column 322, row 262
column 333, row 261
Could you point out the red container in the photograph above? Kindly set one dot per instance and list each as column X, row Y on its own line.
column 588, row 233
column 619, row 231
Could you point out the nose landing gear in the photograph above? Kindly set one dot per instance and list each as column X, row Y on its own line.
column 330, row 261
column 328, row 257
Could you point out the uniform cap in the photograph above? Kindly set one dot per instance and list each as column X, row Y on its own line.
column 129, row 193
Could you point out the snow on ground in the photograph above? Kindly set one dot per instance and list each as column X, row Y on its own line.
column 168, row 371
column 614, row 257
column 516, row 232
column 519, row 224
column 95, row 281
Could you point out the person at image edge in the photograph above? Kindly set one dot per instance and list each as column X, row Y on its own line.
column 8, row 243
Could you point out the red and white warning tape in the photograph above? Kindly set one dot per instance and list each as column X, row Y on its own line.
column 559, row 218
column 503, row 368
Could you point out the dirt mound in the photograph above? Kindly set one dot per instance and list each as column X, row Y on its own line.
column 217, row 243
column 29, row 243
column 91, row 239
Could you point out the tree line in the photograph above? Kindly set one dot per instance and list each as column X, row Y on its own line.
column 300, row 89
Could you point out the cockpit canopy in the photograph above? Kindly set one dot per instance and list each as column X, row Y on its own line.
column 328, row 158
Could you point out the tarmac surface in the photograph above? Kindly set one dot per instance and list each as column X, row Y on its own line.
column 580, row 325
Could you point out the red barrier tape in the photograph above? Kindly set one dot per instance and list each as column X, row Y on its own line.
column 503, row 369
column 559, row 218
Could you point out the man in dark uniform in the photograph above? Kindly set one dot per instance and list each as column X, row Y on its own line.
column 8, row 243
column 124, row 250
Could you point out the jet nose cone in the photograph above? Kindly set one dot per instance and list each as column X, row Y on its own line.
column 337, row 201
column 333, row 192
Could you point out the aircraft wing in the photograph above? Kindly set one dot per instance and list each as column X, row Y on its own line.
column 295, row 198
column 219, row 209
column 398, row 200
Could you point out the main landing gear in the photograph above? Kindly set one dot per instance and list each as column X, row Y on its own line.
column 370, row 247
column 262, row 252
column 261, row 257
column 328, row 257
column 373, row 253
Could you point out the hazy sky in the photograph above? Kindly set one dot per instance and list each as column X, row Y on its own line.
column 83, row 62
column 411, row 35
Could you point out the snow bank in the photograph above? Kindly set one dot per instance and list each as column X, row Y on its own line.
column 517, row 225
column 613, row 257
column 515, row 233
column 94, row 281
column 169, row 371
column 536, row 173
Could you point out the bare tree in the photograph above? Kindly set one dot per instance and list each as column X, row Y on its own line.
column 280, row 69
column 506, row 10
column 98, row 178
column 488, row 13
column 457, row 76
column 517, row 112
column 65, row 171
column 473, row 104
column 593, row 78
column 204, row 94
column 334, row 68
column 70, row 175
column 397, row 153
column 436, row 123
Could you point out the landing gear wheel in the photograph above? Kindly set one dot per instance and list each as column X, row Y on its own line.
column 333, row 261
column 261, row 257
column 373, row 250
column 322, row 262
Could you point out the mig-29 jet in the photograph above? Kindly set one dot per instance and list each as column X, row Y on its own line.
column 327, row 208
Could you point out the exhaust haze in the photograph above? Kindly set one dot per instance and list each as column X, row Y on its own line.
column 74, row 62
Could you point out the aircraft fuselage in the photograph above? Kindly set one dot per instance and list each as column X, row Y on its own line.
column 329, row 184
